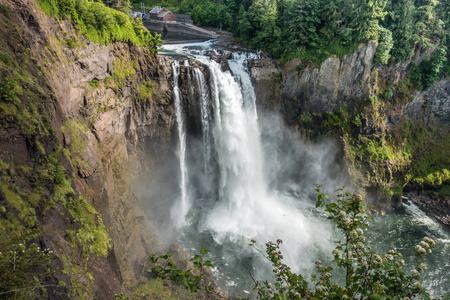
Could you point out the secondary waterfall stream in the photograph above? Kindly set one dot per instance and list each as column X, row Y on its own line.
column 246, row 176
column 180, row 212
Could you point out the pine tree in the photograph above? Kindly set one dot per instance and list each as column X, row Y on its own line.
column 400, row 21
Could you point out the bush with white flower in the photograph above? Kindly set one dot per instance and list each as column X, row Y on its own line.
column 368, row 275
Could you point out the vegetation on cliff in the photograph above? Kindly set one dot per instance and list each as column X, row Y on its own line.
column 101, row 24
column 39, row 207
column 316, row 29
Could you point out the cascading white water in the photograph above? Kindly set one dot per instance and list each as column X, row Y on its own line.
column 246, row 207
column 179, row 212
column 262, row 170
column 205, row 118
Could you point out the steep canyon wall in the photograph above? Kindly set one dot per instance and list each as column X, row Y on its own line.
column 100, row 113
column 375, row 111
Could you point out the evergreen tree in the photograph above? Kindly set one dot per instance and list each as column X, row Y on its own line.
column 244, row 28
column 428, row 27
column 385, row 44
column 400, row 21
column 304, row 18
column 263, row 17
column 364, row 18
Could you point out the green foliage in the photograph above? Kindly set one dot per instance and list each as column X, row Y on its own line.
column 388, row 93
column 430, row 70
column 120, row 297
column 147, row 90
column 101, row 24
column 400, row 20
column 385, row 44
column 336, row 121
column 75, row 129
column 368, row 275
column 70, row 43
column 5, row 10
column 428, row 27
column 315, row 29
column 9, row 89
column 22, row 266
column 211, row 14
column 94, row 83
column 166, row 268
column 123, row 70
column 90, row 236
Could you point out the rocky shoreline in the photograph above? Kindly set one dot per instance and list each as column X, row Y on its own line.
column 436, row 206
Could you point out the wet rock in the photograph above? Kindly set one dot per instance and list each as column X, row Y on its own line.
column 227, row 54
column 435, row 205
column 220, row 60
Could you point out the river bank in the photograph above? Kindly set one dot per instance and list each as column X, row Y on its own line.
column 436, row 206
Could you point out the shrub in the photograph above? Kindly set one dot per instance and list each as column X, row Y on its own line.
column 101, row 24
column 20, row 263
column 385, row 44
column 368, row 275
column 70, row 43
column 430, row 70
column 168, row 269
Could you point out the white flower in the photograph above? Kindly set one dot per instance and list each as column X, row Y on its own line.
column 360, row 231
column 419, row 249
column 354, row 234
column 342, row 214
column 424, row 244
column 335, row 252
column 415, row 273
column 423, row 266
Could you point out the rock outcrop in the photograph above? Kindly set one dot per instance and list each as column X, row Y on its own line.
column 109, row 109
column 369, row 102
column 334, row 83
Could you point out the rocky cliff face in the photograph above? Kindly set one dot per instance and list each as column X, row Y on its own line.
column 108, row 109
column 336, row 82
column 364, row 104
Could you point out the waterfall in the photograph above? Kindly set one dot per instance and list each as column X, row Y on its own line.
column 205, row 118
column 246, row 207
column 180, row 212
column 245, row 176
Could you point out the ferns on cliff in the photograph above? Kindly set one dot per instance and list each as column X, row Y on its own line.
column 101, row 24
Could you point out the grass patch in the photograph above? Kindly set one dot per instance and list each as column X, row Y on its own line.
column 90, row 235
column 147, row 90
column 101, row 24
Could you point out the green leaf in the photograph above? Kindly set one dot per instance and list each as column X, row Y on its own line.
column 209, row 264
column 375, row 297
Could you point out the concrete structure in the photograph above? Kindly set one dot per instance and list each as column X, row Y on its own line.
column 159, row 13
column 179, row 28
column 184, row 19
